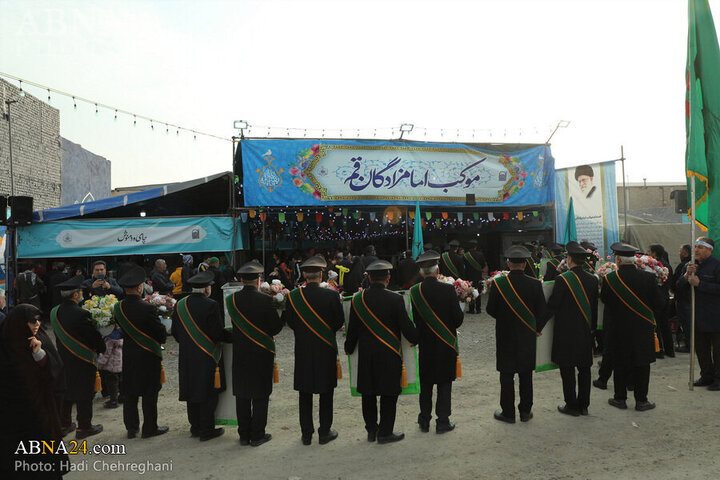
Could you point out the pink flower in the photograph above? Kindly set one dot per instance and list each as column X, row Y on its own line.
column 317, row 195
column 523, row 174
column 315, row 148
column 521, row 184
column 297, row 182
column 294, row 171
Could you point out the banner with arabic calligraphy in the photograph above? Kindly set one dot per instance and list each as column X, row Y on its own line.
column 304, row 172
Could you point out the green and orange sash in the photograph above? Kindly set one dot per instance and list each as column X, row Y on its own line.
column 310, row 318
column 578, row 292
column 554, row 262
column 473, row 263
column 431, row 318
column 247, row 328
column 386, row 336
column 199, row 338
column 450, row 265
column 516, row 304
column 531, row 266
column 141, row 338
column 74, row 346
column 628, row 297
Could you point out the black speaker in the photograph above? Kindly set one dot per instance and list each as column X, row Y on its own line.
column 681, row 200
column 21, row 210
column 3, row 210
column 470, row 199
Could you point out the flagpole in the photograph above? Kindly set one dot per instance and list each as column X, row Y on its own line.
column 692, row 288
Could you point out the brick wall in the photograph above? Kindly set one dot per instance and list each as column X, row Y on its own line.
column 36, row 148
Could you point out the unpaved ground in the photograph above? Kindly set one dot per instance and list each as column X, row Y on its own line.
column 679, row 439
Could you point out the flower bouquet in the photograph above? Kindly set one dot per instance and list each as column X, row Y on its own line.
column 465, row 291
column 277, row 291
column 649, row 264
column 602, row 269
column 101, row 309
column 489, row 281
column 444, row 279
column 165, row 305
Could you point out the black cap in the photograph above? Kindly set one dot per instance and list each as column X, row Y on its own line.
column 556, row 248
column 584, row 170
column 517, row 252
column 590, row 245
column 133, row 277
column 454, row 243
column 574, row 248
column 316, row 262
column 379, row 266
column 472, row 242
column 202, row 279
column 74, row 283
column 623, row 249
column 253, row 267
column 428, row 259
column 428, row 246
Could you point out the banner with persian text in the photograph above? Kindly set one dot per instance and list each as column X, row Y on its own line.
column 305, row 172
column 593, row 189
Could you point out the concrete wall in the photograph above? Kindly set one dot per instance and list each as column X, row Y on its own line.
column 647, row 196
column 83, row 172
column 37, row 155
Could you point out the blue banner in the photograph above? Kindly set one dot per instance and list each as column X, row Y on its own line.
column 309, row 172
column 593, row 189
column 139, row 236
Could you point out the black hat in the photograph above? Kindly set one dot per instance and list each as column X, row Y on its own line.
column 574, row 248
column 472, row 241
column 454, row 243
column 428, row 259
column 589, row 245
column 202, row 279
column 623, row 249
column 556, row 247
column 517, row 252
column 316, row 262
column 428, row 246
column 252, row 267
column 584, row 170
column 74, row 283
column 133, row 277
column 379, row 265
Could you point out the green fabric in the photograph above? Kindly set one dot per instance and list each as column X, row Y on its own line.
column 374, row 324
column 247, row 328
column 78, row 349
column 702, row 117
column 311, row 319
column 507, row 291
column 417, row 242
column 431, row 318
column 578, row 293
column 136, row 335
column 628, row 297
column 473, row 263
column 570, row 232
column 450, row 265
column 531, row 266
column 214, row 350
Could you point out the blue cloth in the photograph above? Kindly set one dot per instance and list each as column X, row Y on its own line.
column 707, row 295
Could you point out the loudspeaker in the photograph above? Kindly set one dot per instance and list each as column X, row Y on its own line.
column 21, row 210
column 681, row 200
column 470, row 199
column 3, row 210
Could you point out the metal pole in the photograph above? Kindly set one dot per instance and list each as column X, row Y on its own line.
column 407, row 229
column 263, row 241
column 625, row 192
column 11, row 229
column 692, row 289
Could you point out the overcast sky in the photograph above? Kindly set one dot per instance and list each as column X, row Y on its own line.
column 509, row 69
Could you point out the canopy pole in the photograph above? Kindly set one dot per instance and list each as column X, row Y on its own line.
column 407, row 230
column 692, row 288
column 626, row 197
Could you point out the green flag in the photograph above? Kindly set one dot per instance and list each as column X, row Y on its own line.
column 417, row 245
column 570, row 233
column 702, row 117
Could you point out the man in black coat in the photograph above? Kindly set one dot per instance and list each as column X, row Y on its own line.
column 451, row 263
column 160, row 278
column 69, row 319
column 315, row 314
column 438, row 357
column 255, row 321
column 377, row 312
column 142, row 355
column 219, row 279
column 630, row 295
column 517, row 303
column 408, row 272
column 474, row 264
column 199, row 328
column 551, row 270
column 100, row 284
column 574, row 302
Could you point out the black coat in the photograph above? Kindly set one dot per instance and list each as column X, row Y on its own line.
column 315, row 360
column 252, row 364
column 437, row 360
column 408, row 273
column 516, row 343
column 79, row 375
column 632, row 337
column 551, row 273
column 379, row 368
column 196, row 369
column 161, row 282
column 572, row 336
column 459, row 263
column 472, row 273
column 55, row 363
column 141, row 368
column 216, row 293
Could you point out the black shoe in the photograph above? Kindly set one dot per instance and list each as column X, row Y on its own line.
column 424, row 426
column 630, row 388
column 715, row 386
column 266, row 438
column 132, row 434
column 670, row 354
column 621, row 404
column 244, row 441
column 683, row 349
column 111, row 404
column 703, row 382
column 393, row 437
column 644, row 406
column 660, row 354
column 70, row 428
column 568, row 411
column 88, row 432
column 372, row 436
column 584, row 412
column 328, row 437
column 214, row 433
column 525, row 417
column 444, row 427
column 159, row 431
column 306, row 439
column 600, row 384
column 498, row 415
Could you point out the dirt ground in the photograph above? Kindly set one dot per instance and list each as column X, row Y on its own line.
column 679, row 439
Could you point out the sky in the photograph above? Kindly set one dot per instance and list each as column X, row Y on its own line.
column 509, row 70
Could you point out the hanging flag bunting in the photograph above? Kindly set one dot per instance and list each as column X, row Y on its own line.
column 300, row 216
column 444, row 215
column 491, row 217
column 535, row 213
column 331, row 222
column 460, row 216
column 437, row 222
column 252, row 213
column 506, row 216
column 318, row 217
column 263, row 216
column 281, row 217
column 476, row 215
column 428, row 215
column 411, row 214
column 520, row 215
column 345, row 211
column 372, row 216
column 356, row 215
